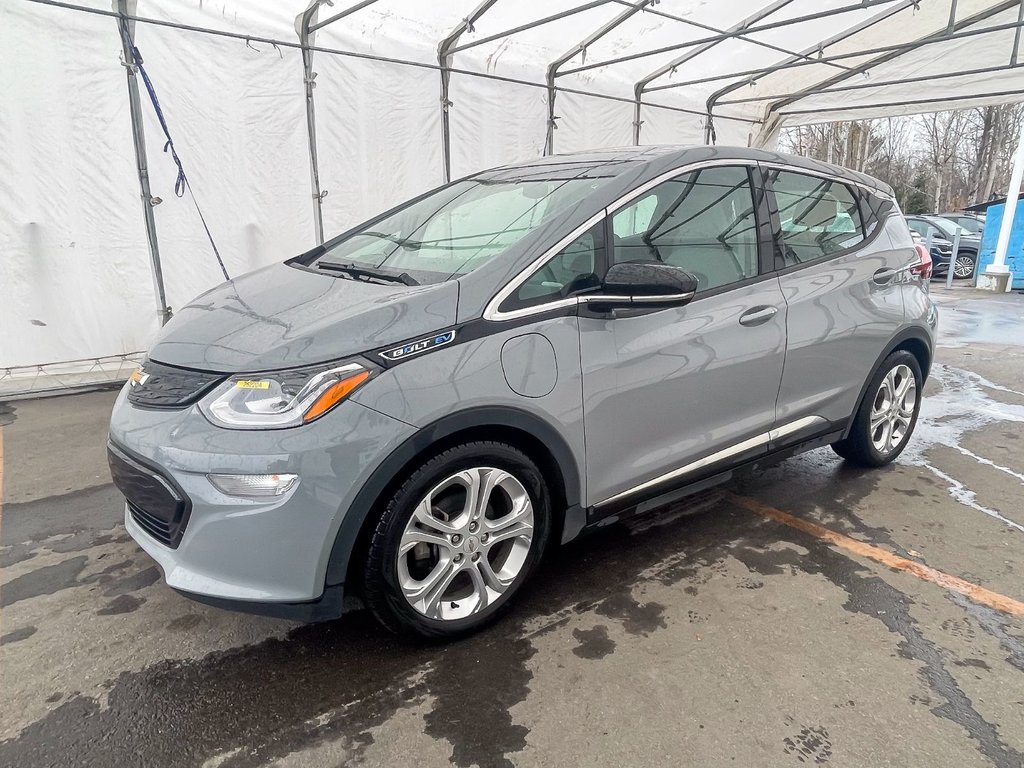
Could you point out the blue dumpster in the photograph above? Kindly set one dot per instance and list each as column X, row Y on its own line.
column 1015, row 251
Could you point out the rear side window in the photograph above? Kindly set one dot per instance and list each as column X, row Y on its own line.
column 818, row 217
column 702, row 221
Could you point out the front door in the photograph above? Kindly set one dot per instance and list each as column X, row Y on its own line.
column 672, row 394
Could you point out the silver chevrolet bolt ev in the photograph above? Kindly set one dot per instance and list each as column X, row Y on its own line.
column 412, row 413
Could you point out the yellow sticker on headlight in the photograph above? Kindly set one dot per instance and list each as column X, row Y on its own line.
column 245, row 384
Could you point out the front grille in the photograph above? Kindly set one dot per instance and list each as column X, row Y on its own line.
column 151, row 524
column 164, row 386
column 156, row 503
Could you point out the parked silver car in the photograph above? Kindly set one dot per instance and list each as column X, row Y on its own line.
column 414, row 412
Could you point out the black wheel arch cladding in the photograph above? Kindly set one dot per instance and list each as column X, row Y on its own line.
column 915, row 341
column 444, row 432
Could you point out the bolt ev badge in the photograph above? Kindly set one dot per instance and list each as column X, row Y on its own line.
column 415, row 347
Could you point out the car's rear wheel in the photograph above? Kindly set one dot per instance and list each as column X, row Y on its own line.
column 457, row 540
column 963, row 267
column 887, row 416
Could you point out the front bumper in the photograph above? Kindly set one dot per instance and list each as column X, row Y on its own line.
column 940, row 261
column 261, row 555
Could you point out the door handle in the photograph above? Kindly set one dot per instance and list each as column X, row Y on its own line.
column 884, row 275
column 758, row 315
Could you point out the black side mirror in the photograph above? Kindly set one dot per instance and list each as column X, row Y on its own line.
column 645, row 283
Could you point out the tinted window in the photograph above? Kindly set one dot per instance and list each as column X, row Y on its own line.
column 572, row 269
column 701, row 221
column 818, row 216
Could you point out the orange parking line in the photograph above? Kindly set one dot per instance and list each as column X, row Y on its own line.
column 977, row 593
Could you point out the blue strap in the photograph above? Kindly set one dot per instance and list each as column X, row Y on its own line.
column 181, row 182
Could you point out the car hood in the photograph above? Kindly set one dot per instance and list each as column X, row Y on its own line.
column 283, row 317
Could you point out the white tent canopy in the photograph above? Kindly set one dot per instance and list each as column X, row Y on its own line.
column 404, row 90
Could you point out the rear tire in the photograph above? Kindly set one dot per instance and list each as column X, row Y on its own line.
column 963, row 265
column 457, row 541
column 886, row 417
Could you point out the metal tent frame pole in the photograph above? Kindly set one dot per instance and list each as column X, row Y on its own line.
column 709, row 28
column 580, row 48
column 772, row 114
column 306, row 25
column 884, row 83
column 696, row 50
column 1016, row 36
column 126, row 8
column 445, row 57
column 973, row 101
column 897, row 48
column 531, row 25
column 818, row 48
column 340, row 15
column 726, row 35
column 302, row 27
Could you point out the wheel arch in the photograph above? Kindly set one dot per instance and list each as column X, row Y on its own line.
column 538, row 439
column 914, row 340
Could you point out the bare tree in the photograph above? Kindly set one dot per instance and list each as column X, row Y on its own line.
column 939, row 161
column 943, row 133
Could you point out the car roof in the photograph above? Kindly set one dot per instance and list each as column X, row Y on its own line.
column 615, row 161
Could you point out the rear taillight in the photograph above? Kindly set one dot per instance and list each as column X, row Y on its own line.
column 923, row 268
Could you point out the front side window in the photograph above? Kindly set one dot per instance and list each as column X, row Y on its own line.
column 459, row 227
column 818, row 217
column 637, row 218
column 918, row 226
column 702, row 221
column 571, row 270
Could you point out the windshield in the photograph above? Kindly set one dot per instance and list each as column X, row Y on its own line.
column 947, row 227
column 456, row 229
column 971, row 226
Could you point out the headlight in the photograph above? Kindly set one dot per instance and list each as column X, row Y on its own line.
column 282, row 398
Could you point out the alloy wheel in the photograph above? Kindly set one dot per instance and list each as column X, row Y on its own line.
column 963, row 267
column 892, row 410
column 465, row 543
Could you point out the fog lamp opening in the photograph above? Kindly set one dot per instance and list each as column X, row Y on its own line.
column 253, row 486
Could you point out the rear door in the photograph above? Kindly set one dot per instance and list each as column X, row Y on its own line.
column 841, row 276
column 671, row 394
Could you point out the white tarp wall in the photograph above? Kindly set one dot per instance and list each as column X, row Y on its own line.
column 75, row 279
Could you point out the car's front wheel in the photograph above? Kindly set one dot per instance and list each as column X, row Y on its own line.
column 457, row 540
column 887, row 416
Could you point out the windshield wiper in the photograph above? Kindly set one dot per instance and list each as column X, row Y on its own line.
column 360, row 271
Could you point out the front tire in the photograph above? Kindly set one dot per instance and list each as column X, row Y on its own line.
column 457, row 541
column 887, row 416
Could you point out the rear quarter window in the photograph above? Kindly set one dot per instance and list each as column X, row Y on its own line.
column 818, row 217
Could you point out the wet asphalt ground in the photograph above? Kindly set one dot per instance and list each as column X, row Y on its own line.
column 703, row 634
